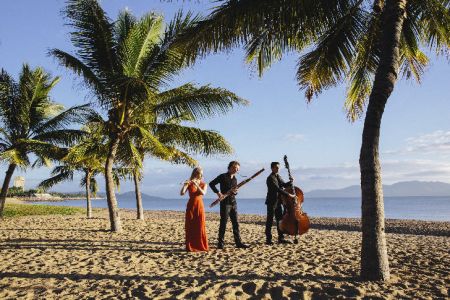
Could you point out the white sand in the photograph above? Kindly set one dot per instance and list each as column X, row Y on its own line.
column 70, row 257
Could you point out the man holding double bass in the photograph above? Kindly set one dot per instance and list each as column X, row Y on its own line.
column 275, row 187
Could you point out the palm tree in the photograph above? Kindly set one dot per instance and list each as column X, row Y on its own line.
column 366, row 43
column 88, row 157
column 178, row 139
column 31, row 123
column 126, row 64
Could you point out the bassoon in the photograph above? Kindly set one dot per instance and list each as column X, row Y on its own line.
column 230, row 192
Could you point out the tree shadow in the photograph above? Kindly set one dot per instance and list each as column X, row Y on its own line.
column 23, row 240
column 209, row 276
column 135, row 284
column 55, row 229
column 93, row 245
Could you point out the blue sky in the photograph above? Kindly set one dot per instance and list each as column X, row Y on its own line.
column 322, row 146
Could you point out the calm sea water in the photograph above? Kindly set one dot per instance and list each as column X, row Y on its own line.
column 418, row 208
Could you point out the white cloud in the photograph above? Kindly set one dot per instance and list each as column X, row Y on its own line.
column 423, row 170
column 437, row 142
column 294, row 137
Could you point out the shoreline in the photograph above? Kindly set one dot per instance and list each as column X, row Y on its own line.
column 400, row 226
column 57, row 256
column 53, row 199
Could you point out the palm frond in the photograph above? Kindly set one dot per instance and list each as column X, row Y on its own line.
column 434, row 23
column 139, row 43
column 5, row 137
column 166, row 58
column 150, row 143
column 263, row 50
column 41, row 162
column 60, row 174
column 14, row 156
column 76, row 114
column 363, row 67
column 198, row 103
column 291, row 24
column 181, row 157
column 328, row 62
column 42, row 149
column 66, row 137
column 79, row 68
column 130, row 155
column 413, row 61
column 193, row 140
column 122, row 27
column 92, row 36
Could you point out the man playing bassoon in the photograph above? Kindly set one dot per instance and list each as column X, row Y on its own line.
column 228, row 206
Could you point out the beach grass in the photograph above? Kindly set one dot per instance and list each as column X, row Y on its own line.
column 20, row 210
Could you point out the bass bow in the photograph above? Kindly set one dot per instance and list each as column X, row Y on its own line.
column 236, row 188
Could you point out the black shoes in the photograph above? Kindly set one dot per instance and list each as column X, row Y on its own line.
column 283, row 241
column 242, row 246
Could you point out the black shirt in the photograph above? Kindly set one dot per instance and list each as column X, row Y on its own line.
column 274, row 186
column 226, row 184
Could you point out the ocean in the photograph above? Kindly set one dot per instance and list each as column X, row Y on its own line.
column 417, row 208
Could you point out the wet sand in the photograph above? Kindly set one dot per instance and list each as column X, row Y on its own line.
column 71, row 257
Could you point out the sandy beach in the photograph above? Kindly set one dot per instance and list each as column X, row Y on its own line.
column 71, row 257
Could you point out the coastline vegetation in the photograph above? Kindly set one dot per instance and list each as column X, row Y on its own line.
column 18, row 192
column 20, row 210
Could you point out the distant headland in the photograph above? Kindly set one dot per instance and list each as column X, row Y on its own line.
column 399, row 189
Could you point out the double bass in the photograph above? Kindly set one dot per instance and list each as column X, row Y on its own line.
column 295, row 221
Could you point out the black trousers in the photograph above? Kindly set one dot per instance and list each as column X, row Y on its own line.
column 273, row 209
column 229, row 210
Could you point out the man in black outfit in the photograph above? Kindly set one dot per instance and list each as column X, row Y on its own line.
column 228, row 206
column 275, row 186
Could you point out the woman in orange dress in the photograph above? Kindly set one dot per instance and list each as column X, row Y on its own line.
column 196, row 239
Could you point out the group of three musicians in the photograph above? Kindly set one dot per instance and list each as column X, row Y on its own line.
column 196, row 238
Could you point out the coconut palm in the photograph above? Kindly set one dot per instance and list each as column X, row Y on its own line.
column 127, row 64
column 88, row 157
column 366, row 43
column 32, row 123
column 180, row 141
column 65, row 172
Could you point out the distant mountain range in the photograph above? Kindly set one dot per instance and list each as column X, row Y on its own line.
column 399, row 189
column 145, row 197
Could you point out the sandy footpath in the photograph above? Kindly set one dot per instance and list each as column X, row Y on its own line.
column 71, row 257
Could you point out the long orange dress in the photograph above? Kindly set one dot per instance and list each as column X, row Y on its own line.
column 196, row 239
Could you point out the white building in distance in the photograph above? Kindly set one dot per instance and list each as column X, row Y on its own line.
column 19, row 182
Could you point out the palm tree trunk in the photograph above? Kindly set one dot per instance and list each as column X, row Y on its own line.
column 5, row 186
column 374, row 258
column 88, row 195
column 114, row 217
column 137, row 189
